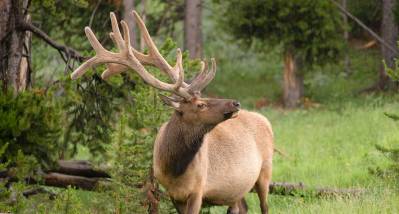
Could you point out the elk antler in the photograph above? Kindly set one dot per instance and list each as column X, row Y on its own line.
column 128, row 57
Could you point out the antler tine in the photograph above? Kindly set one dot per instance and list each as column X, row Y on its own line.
column 98, row 48
column 126, row 38
column 154, row 57
column 126, row 57
column 211, row 74
column 115, row 35
column 179, row 67
column 203, row 78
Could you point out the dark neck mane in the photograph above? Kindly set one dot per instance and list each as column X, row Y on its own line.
column 181, row 143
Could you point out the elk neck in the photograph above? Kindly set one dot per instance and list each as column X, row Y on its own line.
column 181, row 143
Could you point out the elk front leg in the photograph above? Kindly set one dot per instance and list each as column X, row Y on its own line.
column 239, row 207
column 179, row 206
column 194, row 202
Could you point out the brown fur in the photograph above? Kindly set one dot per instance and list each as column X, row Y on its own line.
column 201, row 155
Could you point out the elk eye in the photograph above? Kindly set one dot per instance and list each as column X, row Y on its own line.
column 201, row 105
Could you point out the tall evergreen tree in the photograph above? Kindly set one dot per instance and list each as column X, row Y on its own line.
column 308, row 31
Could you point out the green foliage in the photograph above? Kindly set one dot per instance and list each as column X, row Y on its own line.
column 368, row 11
column 2, row 152
column 29, row 123
column 67, row 202
column 392, row 170
column 92, row 105
column 65, row 20
column 393, row 72
column 309, row 28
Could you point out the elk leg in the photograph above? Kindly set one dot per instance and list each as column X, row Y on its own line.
column 233, row 209
column 194, row 203
column 262, row 187
column 179, row 206
column 243, row 206
column 239, row 207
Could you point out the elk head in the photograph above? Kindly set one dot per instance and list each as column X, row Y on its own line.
column 208, row 111
column 186, row 100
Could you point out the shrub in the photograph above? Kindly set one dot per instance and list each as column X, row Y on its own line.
column 29, row 124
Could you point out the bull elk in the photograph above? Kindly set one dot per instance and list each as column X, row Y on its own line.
column 210, row 150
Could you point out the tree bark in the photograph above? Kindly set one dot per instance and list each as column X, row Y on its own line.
column 25, row 67
column 389, row 33
column 293, row 81
column 144, row 17
column 11, row 42
column 128, row 7
column 346, row 37
column 193, row 28
column 63, row 180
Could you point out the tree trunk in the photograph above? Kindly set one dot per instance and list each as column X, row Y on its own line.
column 389, row 32
column 346, row 37
column 293, row 81
column 144, row 17
column 192, row 28
column 128, row 7
column 26, row 61
column 11, row 44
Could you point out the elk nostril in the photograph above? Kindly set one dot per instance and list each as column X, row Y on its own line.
column 236, row 104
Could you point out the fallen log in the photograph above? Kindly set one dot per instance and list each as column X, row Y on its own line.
column 299, row 189
column 63, row 180
column 79, row 168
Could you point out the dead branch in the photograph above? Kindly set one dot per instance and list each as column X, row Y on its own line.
column 299, row 189
column 361, row 24
column 280, row 152
column 65, row 51
column 152, row 193
column 38, row 190
column 94, row 12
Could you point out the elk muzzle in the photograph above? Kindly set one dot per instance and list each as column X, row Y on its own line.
column 232, row 107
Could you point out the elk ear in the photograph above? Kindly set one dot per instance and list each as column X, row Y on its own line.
column 170, row 101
